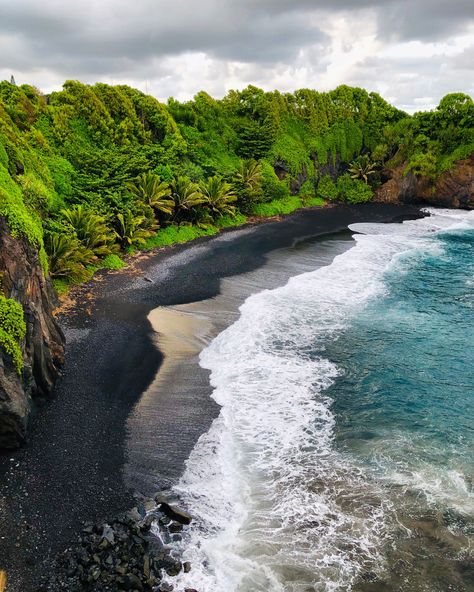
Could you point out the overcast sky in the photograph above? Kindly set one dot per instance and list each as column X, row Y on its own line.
column 411, row 51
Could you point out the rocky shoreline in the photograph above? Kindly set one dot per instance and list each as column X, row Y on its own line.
column 131, row 552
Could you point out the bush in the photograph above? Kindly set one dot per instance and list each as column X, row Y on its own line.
column 314, row 201
column 272, row 187
column 12, row 330
column 306, row 191
column 61, row 287
column 112, row 261
column 327, row 188
column 228, row 221
column 353, row 191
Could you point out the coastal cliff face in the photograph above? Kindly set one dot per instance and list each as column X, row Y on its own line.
column 42, row 348
column 453, row 189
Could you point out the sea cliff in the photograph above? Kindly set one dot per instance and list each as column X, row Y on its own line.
column 42, row 347
column 452, row 189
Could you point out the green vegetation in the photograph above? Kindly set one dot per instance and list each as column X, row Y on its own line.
column 12, row 330
column 428, row 143
column 92, row 172
column 112, row 262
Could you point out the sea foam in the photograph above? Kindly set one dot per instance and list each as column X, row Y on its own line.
column 277, row 507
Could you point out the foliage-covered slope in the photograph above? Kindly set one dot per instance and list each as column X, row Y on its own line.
column 81, row 168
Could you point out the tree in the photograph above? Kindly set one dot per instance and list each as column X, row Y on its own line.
column 248, row 184
column 186, row 196
column 254, row 138
column 150, row 189
column 218, row 196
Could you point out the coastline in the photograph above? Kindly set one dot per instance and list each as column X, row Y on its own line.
column 78, row 441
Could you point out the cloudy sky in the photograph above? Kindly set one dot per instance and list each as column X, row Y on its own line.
column 411, row 51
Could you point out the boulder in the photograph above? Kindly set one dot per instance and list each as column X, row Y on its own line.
column 175, row 513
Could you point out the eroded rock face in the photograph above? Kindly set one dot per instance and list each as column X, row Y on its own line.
column 22, row 279
column 454, row 189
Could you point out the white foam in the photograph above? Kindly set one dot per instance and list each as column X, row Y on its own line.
column 276, row 507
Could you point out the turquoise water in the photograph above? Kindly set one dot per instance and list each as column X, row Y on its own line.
column 342, row 459
column 406, row 397
column 404, row 404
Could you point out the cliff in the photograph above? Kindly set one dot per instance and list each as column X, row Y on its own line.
column 453, row 189
column 42, row 347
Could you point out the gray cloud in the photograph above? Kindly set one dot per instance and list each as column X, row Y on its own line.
column 74, row 34
column 403, row 19
column 185, row 45
column 414, row 83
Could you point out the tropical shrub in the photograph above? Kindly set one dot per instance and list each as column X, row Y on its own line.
column 218, row 196
column 154, row 192
column 353, row 191
column 131, row 229
column 91, row 230
column 186, row 196
column 66, row 256
column 362, row 168
column 247, row 184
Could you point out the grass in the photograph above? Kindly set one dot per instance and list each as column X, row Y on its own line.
column 280, row 207
column 177, row 234
column 112, row 261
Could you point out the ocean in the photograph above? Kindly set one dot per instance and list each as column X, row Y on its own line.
column 343, row 455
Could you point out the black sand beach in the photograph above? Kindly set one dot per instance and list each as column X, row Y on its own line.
column 74, row 468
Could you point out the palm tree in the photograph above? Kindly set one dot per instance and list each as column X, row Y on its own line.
column 91, row 230
column 131, row 229
column 186, row 196
column 150, row 189
column 247, row 184
column 362, row 168
column 66, row 255
column 249, row 174
column 218, row 196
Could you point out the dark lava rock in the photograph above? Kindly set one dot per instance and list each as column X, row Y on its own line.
column 175, row 513
column 175, row 527
column 131, row 582
column 123, row 554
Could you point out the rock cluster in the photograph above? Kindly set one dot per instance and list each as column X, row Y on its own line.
column 131, row 552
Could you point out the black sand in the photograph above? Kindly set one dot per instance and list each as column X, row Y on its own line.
column 72, row 469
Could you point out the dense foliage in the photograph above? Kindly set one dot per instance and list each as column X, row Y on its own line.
column 91, row 171
column 12, row 330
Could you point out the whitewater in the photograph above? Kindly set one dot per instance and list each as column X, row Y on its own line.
column 278, row 504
